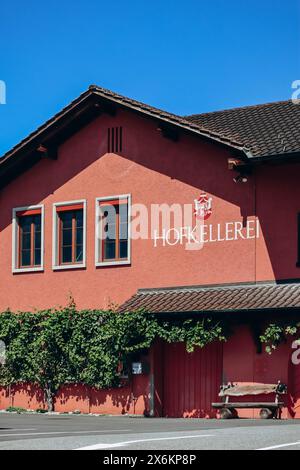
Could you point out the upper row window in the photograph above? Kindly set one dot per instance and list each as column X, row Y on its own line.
column 112, row 230
column 28, row 238
column 69, row 234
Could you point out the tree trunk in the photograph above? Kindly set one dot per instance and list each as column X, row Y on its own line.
column 49, row 395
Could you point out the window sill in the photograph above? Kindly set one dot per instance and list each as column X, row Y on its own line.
column 68, row 266
column 113, row 263
column 28, row 270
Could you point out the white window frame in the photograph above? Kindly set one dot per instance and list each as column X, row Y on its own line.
column 98, row 246
column 55, row 253
column 15, row 239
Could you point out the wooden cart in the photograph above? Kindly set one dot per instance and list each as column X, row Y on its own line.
column 268, row 409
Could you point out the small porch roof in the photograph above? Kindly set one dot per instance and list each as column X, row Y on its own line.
column 210, row 299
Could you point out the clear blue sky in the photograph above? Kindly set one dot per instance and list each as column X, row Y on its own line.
column 185, row 56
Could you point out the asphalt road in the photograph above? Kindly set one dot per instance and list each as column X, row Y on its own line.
column 50, row 432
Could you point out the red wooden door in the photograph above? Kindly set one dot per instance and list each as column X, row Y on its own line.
column 191, row 380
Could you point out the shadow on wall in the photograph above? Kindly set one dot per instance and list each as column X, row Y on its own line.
column 78, row 397
column 294, row 381
column 121, row 400
column 272, row 192
column 193, row 161
column 22, row 395
column 260, row 367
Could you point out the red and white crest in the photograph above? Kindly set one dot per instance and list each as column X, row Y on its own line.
column 203, row 207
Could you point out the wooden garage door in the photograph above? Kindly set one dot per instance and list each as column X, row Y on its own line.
column 191, row 380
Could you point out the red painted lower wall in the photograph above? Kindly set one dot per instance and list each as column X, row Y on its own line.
column 131, row 399
column 177, row 389
column 242, row 363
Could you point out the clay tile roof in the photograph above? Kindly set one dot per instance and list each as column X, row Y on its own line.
column 266, row 129
column 215, row 299
column 251, row 133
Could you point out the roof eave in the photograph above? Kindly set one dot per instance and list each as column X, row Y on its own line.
column 189, row 127
column 287, row 157
column 17, row 159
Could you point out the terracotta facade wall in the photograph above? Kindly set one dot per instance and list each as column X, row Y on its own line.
column 153, row 170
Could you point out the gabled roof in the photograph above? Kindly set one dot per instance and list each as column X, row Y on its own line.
column 267, row 129
column 83, row 109
column 96, row 91
column 252, row 133
column 215, row 299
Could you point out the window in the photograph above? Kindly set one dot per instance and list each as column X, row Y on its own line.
column 113, row 230
column 69, row 235
column 28, row 238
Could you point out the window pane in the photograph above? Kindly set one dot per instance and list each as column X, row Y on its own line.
column 109, row 231
column 123, row 231
column 123, row 249
column 66, row 219
column 79, row 253
column 30, row 253
column 26, row 241
column 67, row 254
column 72, row 236
column 67, row 237
column 109, row 222
column 123, row 210
column 37, row 239
column 25, row 258
column 114, row 223
column 79, row 218
column 25, row 223
column 37, row 257
column 109, row 212
column 79, row 236
column 37, row 222
column 109, row 249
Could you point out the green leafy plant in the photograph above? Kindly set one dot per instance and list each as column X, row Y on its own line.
column 52, row 348
column 276, row 333
column 16, row 409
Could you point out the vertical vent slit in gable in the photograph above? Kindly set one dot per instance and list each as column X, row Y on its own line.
column 117, row 139
column 108, row 140
column 120, row 143
column 114, row 139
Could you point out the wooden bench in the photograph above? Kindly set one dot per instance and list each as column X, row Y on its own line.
column 268, row 409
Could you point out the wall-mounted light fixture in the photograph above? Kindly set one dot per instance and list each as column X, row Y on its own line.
column 242, row 168
column 240, row 179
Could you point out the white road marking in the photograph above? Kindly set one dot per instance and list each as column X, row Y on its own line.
column 64, row 432
column 289, row 444
column 125, row 443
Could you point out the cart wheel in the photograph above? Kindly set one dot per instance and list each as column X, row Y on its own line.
column 266, row 413
column 225, row 413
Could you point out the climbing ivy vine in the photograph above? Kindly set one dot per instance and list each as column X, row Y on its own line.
column 278, row 332
column 63, row 346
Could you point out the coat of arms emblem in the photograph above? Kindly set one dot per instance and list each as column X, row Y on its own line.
column 203, row 207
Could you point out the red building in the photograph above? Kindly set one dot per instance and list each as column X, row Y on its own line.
column 235, row 172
